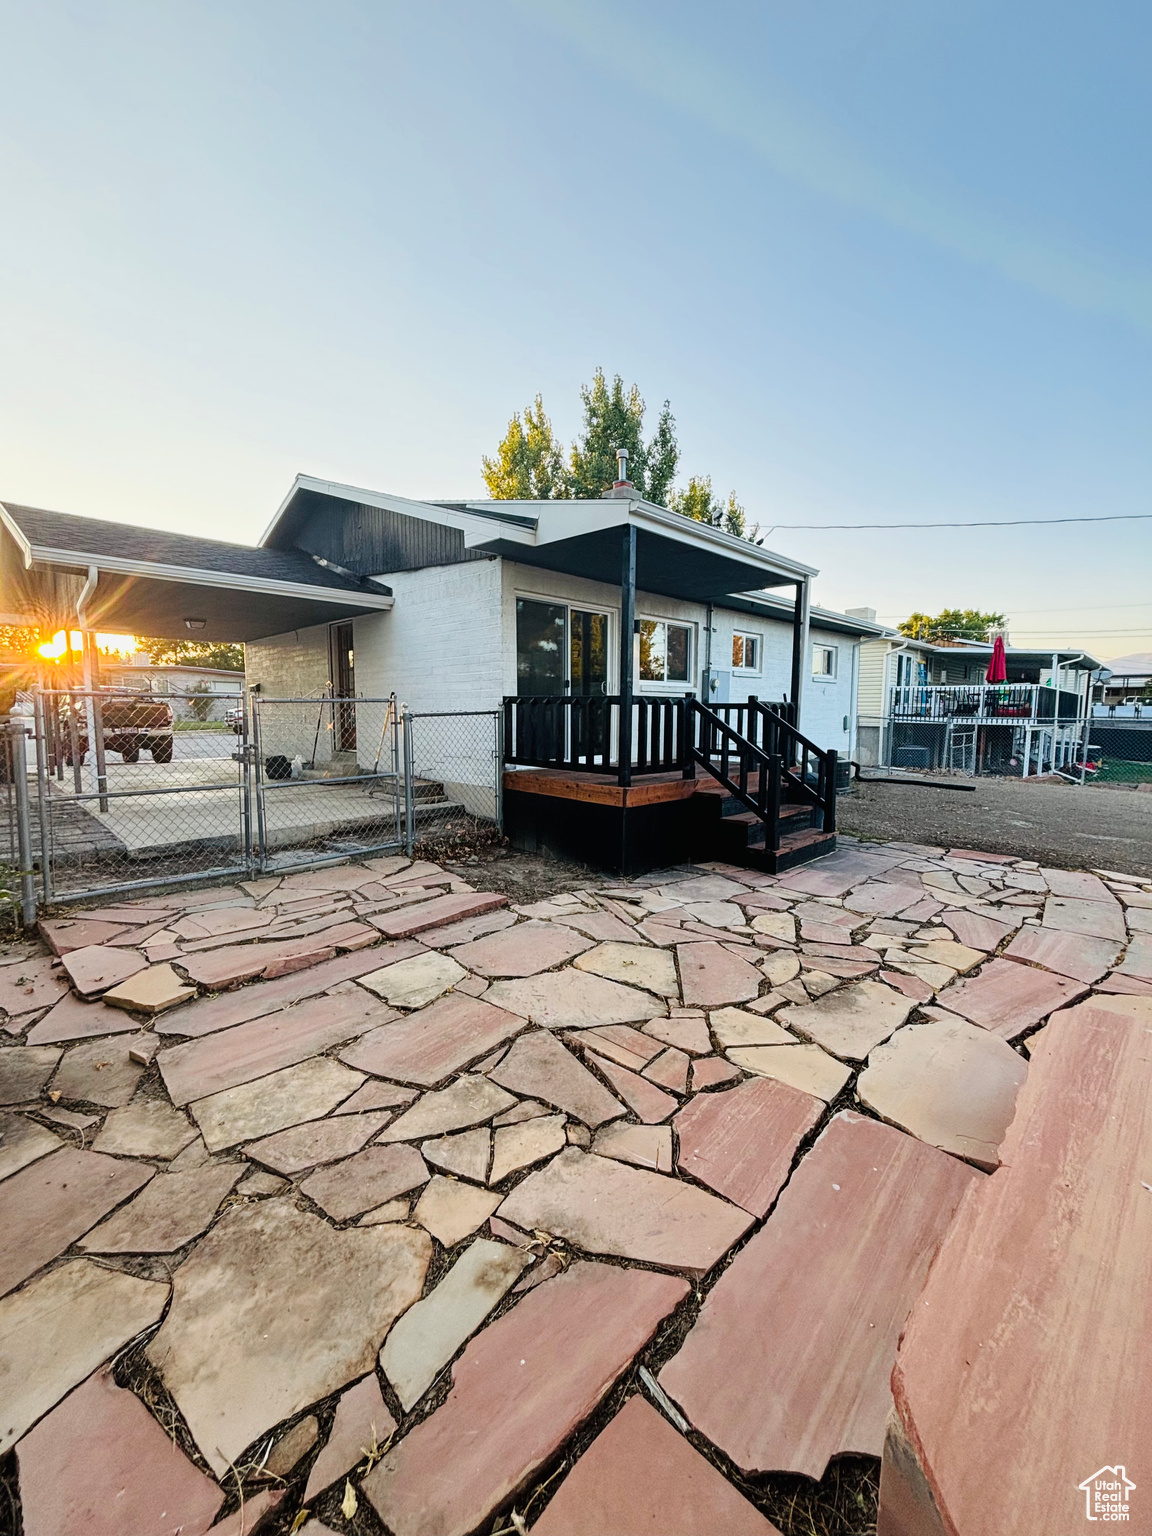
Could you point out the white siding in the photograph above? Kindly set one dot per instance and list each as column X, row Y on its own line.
column 827, row 712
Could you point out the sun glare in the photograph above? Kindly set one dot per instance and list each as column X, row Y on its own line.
column 62, row 642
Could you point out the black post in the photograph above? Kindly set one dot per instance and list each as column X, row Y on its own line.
column 627, row 624
column 799, row 618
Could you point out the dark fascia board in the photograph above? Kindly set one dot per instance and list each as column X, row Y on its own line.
column 291, row 514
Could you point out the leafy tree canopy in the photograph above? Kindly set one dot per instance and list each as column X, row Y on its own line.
column 195, row 653
column 951, row 624
column 530, row 463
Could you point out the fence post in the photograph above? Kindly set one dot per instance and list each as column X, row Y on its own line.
column 499, row 719
column 42, row 792
column 409, row 785
column 258, row 788
column 17, row 736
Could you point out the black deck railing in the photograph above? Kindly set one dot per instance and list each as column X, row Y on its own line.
column 753, row 748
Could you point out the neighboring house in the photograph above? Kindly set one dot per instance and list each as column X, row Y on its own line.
column 180, row 682
column 1124, row 689
column 927, row 705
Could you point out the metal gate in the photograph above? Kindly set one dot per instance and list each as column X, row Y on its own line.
column 112, row 792
column 327, row 780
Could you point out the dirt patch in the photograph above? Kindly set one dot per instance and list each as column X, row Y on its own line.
column 1057, row 824
column 524, row 877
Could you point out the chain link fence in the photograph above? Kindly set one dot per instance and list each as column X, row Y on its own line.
column 1119, row 753
column 128, row 791
column 454, row 765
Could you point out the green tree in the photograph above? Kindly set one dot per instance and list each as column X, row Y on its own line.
column 700, row 503
column 195, row 653
column 529, row 463
column 951, row 624
column 614, row 419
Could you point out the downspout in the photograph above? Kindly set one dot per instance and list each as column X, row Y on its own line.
column 706, row 691
column 91, row 705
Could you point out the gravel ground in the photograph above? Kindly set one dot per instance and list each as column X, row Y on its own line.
column 1058, row 824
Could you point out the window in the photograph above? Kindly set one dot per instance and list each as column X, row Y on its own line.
column 745, row 653
column 824, row 662
column 665, row 651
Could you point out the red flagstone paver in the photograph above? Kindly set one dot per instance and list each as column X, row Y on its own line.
column 64, row 934
column 362, row 1421
column 861, row 954
column 22, row 1141
column 911, row 986
column 1076, row 883
column 1129, row 985
column 670, row 1070
column 95, row 968
column 925, row 909
column 169, row 1212
column 712, row 976
column 649, row 1103
column 602, row 927
column 821, row 933
column 316, row 1141
column 806, row 1067
column 538, row 1066
column 220, row 969
column 948, row 1082
column 435, row 1041
column 222, row 920
column 471, row 928
column 238, row 1360
column 686, row 1034
column 24, row 1069
column 227, row 1058
column 979, row 932
column 29, row 985
column 635, row 965
column 104, row 1071
column 1068, row 954
column 254, row 1514
column 1096, row 919
column 1138, row 960
column 606, row 1207
column 882, row 899
column 145, row 1128
column 58, row 1329
column 436, row 913
column 741, row 1143
column 1008, row 998
column 468, row 1101
column 519, row 1390
column 375, row 1095
column 307, row 1091
column 710, row 1072
column 519, row 1146
column 368, row 1179
column 1003, row 1406
column 101, row 1464
column 263, row 997
column 678, row 1492
column 452, row 1210
column 575, row 999
column 648, row 1146
column 620, row 1043
column 851, row 1020
column 151, row 991
column 49, row 1204
column 522, row 951
column 466, row 1153
column 789, row 1360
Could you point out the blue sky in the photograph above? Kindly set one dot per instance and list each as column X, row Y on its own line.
column 890, row 263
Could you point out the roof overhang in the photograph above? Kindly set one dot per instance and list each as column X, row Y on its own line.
column 675, row 556
column 1040, row 656
column 145, row 598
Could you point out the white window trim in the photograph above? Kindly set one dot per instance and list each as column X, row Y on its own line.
column 650, row 685
column 826, row 677
column 758, row 669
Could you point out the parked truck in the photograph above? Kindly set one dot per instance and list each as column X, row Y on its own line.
column 132, row 723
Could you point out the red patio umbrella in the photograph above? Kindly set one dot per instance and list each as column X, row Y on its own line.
column 998, row 664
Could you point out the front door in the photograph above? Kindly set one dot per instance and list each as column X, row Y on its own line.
column 343, row 687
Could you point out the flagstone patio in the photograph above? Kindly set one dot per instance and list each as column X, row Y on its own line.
column 369, row 1194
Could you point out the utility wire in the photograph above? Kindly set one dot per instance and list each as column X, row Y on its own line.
column 1016, row 522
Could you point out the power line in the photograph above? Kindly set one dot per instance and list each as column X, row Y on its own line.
column 1016, row 522
column 1093, row 608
